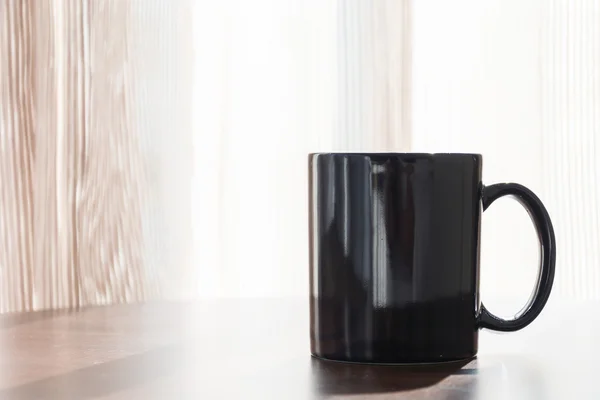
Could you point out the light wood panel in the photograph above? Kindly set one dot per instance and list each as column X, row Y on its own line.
column 72, row 182
column 17, row 144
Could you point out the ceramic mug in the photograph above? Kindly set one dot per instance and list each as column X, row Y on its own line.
column 394, row 256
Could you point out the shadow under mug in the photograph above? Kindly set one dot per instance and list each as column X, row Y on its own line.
column 394, row 256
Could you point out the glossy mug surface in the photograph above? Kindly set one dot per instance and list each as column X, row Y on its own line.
column 394, row 256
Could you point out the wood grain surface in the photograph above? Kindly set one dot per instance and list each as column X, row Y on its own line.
column 71, row 228
column 247, row 349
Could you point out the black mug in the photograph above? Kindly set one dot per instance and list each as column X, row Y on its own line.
column 394, row 256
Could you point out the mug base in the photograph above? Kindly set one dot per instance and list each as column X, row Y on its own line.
column 425, row 363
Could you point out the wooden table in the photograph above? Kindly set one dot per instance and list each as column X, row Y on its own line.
column 258, row 349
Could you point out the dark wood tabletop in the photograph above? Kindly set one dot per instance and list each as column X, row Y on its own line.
column 251, row 348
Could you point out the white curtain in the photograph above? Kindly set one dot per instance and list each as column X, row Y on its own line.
column 517, row 82
column 197, row 117
column 274, row 81
column 520, row 83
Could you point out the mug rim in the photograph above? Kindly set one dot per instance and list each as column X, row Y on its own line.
column 387, row 153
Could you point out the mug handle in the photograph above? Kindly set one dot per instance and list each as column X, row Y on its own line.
column 545, row 232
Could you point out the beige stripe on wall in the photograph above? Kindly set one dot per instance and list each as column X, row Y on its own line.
column 374, row 43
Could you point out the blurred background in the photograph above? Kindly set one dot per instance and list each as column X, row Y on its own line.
column 158, row 148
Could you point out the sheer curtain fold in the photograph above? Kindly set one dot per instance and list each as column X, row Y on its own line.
column 518, row 82
column 276, row 80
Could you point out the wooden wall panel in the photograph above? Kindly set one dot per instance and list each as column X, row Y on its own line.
column 71, row 165
column 17, row 144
